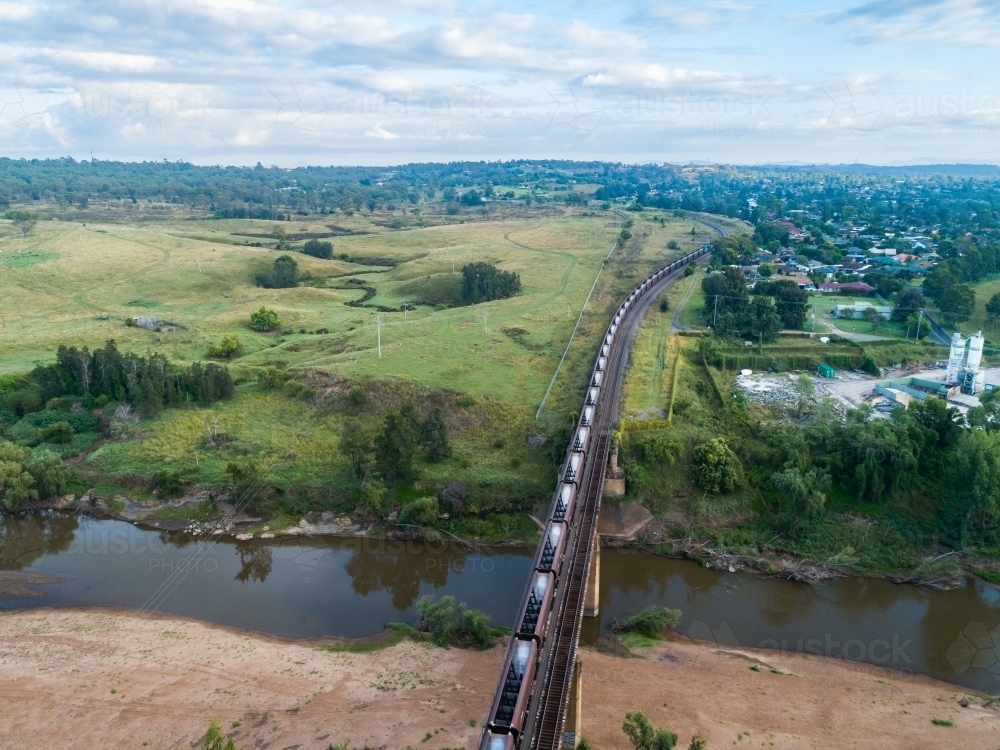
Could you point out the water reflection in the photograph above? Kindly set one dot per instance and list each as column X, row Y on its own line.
column 256, row 561
column 293, row 587
column 900, row 628
column 26, row 537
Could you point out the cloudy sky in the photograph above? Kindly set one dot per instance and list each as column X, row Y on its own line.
column 297, row 82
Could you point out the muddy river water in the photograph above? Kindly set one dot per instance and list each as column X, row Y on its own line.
column 306, row 587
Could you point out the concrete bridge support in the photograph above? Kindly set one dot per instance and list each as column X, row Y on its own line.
column 574, row 717
column 592, row 601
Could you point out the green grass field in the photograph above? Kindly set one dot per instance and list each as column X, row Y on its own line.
column 70, row 283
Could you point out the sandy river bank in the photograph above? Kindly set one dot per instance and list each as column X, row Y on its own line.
column 104, row 678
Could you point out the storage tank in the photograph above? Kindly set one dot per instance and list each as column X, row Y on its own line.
column 956, row 360
column 975, row 352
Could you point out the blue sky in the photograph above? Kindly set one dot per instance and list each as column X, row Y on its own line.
column 299, row 82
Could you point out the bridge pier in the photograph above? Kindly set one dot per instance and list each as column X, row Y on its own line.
column 592, row 601
column 574, row 717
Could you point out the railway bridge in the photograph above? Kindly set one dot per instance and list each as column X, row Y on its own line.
column 539, row 693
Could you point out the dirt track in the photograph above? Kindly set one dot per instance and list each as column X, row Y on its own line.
column 98, row 678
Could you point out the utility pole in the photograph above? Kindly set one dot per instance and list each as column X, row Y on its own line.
column 378, row 323
column 199, row 264
column 486, row 316
column 920, row 321
column 405, row 306
column 715, row 313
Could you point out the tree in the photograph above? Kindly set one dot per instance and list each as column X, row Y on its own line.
column 264, row 319
column 17, row 485
column 874, row 317
column 765, row 234
column 282, row 237
column 398, row 441
column 283, row 275
column 908, row 300
column 993, row 308
column 318, row 249
column 802, row 494
column 434, row 435
column 791, row 302
column 374, row 499
column 357, row 445
column 958, row 301
column 716, row 468
column 227, row 347
column 761, row 320
column 643, row 736
column 484, row 282
column 22, row 220
column 974, row 487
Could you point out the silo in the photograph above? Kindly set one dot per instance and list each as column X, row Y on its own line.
column 975, row 352
column 956, row 360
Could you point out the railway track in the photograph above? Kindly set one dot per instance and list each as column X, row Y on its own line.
column 553, row 687
column 532, row 698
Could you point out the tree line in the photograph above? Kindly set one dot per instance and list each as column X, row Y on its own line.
column 147, row 383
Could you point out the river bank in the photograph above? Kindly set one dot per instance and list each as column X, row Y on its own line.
column 96, row 677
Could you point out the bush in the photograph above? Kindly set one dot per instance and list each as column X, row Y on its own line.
column 264, row 319
column 272, row 377
column 27, row 475
column 643, row 736
column 214, row 739
column 451, row 625
column 420, row 512
column 715, row 467
column 652, row 622
column 227, row 347
column 357, row 395
column 168, row 483
column 318, row 249
column 374, row 499
column 59, row 433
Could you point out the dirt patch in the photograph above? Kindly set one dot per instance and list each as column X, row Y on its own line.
column 754, row 698
column 105, row 678
column 466, row 324
column 101, row 678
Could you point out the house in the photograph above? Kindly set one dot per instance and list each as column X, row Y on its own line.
column 858, row 309
column 849, row 287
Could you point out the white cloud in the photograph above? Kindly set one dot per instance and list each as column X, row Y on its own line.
column 104, row 62
column 946, row 22
column 379, row 132
column 15, row 12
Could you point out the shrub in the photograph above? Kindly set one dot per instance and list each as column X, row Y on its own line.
column 59, row 433
column 420, row 512
column 374, row 499
column 168, row 483
column 652, row 622
column 227, row 347
column 357, row 395
column 643, row 736
column 715, row 467
column 27, row 475
column 272, row 377
column 214, row 739
column 449, row 624
column 264, row 319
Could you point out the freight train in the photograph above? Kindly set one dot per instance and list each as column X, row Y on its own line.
column 506, row 720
